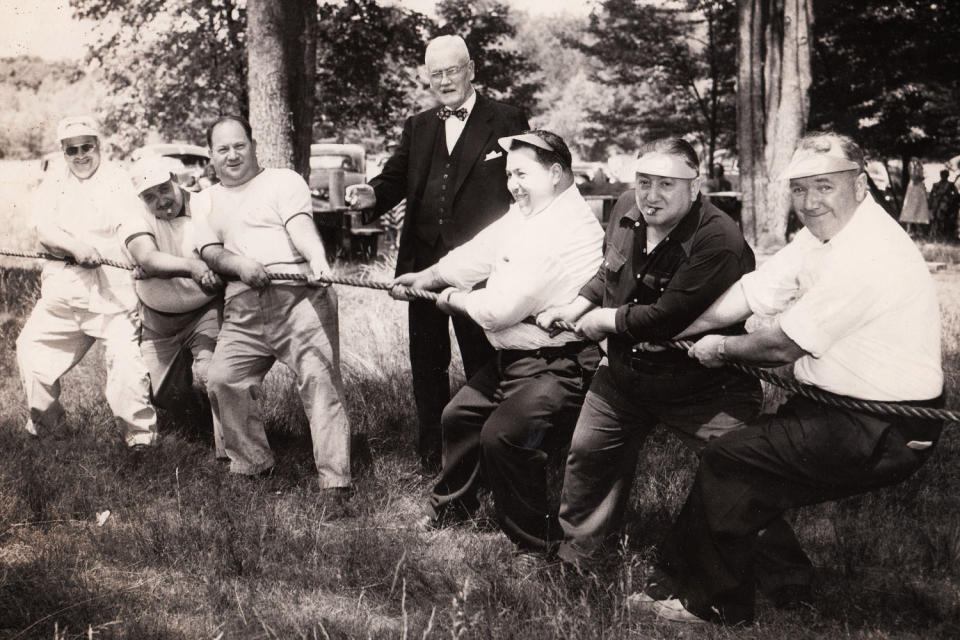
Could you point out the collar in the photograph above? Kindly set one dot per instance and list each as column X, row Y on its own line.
column 561, row 200
column 469, row 103
column 858, row 227
column 682, row 233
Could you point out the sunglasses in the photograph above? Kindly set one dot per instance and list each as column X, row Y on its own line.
column 85, row 148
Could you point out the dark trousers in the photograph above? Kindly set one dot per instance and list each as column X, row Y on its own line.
column 430, row 364
column 501, row 428
column 806, row 454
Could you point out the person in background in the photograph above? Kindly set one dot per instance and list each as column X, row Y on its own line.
column 915, row 215
column 943, row 203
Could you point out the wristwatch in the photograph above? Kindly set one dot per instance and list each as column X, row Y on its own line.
column 722, row 348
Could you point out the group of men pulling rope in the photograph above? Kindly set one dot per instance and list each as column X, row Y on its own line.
column 496, row 233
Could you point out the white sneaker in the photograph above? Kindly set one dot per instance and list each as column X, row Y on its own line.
column 674, row 610
column 31, row 428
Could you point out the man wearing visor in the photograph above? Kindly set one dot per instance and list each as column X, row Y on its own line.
column 79, row 212
column 523, row 403
column 841, row 292
column 181, row 301
column 668, row 256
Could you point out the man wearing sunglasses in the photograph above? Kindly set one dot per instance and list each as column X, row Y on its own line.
column 451, row 172
column 79, row 213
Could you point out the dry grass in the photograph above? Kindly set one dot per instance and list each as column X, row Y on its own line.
column 191, row 551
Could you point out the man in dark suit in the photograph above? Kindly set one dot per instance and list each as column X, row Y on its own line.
column 451, row 171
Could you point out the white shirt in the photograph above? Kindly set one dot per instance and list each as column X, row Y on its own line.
column 454, row 126
column 92, row 211
column 250, row 220
column 531, row 263
column 863, row 305
column 175, row 236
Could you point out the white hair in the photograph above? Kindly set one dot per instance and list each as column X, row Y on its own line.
column 452, row 42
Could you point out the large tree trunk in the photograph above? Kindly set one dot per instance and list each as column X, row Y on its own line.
column 281, row 57
column 772, row 109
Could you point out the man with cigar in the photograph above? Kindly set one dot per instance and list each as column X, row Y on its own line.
column 521, row 405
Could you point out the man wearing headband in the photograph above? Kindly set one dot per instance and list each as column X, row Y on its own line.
column 79, row 213
column 181, row 305
column 839, row 296
column 450, row 170
column 668, row 256
column 522, row 404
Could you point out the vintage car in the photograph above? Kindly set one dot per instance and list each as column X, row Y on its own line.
column 326, row 157
column 187, row 161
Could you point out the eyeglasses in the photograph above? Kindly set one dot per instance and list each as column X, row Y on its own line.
column 450, row 72
column 84, row 148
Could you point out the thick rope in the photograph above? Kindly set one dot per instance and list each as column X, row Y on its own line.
column 805, row 390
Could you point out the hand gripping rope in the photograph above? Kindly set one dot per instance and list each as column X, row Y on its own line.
column 805, row 390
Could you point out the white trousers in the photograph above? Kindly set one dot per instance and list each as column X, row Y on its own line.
column 56, row 337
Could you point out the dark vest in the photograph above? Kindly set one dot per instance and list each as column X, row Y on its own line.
column 436, row 202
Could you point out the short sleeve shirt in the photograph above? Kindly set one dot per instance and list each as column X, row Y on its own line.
column 250, row 220
column 862, row 304
column 175, row 237
column 92, row 211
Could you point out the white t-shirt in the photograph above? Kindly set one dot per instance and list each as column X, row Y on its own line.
column 863, row 305
column 250, row 220
column 531, row 263
column 169, row 295
column 92, row 211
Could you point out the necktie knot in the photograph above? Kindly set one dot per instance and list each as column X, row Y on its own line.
column 446, row 112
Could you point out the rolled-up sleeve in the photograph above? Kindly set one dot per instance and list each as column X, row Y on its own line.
column 518, row 290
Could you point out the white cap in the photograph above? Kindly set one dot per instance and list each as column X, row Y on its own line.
column 75, row 126
column 150, row 172
column 815, row 162
column 668, row 165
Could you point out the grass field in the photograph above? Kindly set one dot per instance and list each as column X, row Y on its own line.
column 191, row 551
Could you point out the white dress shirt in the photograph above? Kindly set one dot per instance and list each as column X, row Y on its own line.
column 863, row 305
column 531, row 263
column 454, row 126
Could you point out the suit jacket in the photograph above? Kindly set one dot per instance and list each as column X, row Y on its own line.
column 480, row 193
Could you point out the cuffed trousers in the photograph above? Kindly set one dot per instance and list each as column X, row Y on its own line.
column 298, row 326
column 57, row 335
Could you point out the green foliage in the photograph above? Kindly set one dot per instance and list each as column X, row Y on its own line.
column 502, row 70
column 367, row 57
column 673, row 68
column 885, row 72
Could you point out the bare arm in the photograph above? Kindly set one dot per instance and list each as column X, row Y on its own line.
column 56, row 240
column 230, row 264
column 303, row 234
column 766, row 347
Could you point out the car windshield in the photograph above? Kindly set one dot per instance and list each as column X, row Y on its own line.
column 331, row 162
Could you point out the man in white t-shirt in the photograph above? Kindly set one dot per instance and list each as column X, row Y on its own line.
column 854, row 309
column 254, row 222
column 79, row 211
column 181, row 302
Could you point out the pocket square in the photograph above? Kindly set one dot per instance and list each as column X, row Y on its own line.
column 492, row 155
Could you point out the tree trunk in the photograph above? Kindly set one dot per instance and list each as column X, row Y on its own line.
column 281, row 58
column 774, row 59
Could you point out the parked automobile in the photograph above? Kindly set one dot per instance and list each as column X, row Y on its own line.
column 326, row 157
column 187, row 161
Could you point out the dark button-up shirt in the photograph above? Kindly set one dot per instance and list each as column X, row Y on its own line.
column 659, row 294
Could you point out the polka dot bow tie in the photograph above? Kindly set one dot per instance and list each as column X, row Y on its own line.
column 445, row 113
